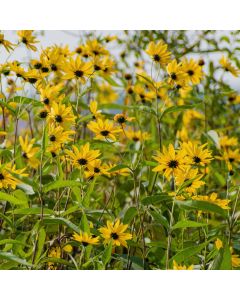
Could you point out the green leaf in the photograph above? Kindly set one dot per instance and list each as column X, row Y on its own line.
column 156, row 199
column 3, row 103
column 10, row 241
column 129, row 215
column 60, row 220
column 203, row 206
column 11, row 199
column 40, row 244
column 84, row 224
column 226, row 263
column 159, row 218
column 178, row 108
column 147, row 79
column 182, row 255
column 111, row 81
column 187, row 223
column 107, row 253
column 31, row 211
column 60, row 184
column 12, row 257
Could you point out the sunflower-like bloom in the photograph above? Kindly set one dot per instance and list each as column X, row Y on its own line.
column 197, row 154
column 7, row 178
column 194, row 178
column 77, row 69
column 29, row 151
column 96, row 169
column 115, row 232
column 171, row 161
column 6, row 44
column 57, row 136
column 159, row 53
column 226, row 141
column 61, row 115
column 175, row 72
column 17, row 69
column 234, row 98
column 105, row 66
column 177, row 266
column 93, row 107
column 33, row 76
column 230, row 156
column 137, row 135
column 192, row 70
column 86, row 239
column 122, row 119
column 83, row 157
column 104, row 129
column 27, row 39
column 228, row 67
column 50, row 94
column 213, row 198
column 94, row 48
column 144, row 95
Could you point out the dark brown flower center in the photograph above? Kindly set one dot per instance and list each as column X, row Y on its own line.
column 190, row 72
column 156, row 57
column 53, row 67
column 79, row 73
column 52, row 138
column 24, row 40
column 82, row 161
column 96, row 170
column 121, row 120
column 173, row 164
column 196, row 159
column 105, row 133
column 58, row 118
column 43, row 114
column 24, row 154
column 1, row 176
column 173, row 76
column 46, row 101
column 114, row 235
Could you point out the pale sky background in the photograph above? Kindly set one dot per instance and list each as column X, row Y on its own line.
column 72, row 38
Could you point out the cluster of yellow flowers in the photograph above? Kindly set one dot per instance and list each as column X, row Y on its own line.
column 87, row 120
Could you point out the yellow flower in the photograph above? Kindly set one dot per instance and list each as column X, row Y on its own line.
column 235, row 261
column 175, row 73
column 27, row 39
column 230, row 156
column 192, row 70
column 143, row 95
column 115, row 232
column 57, row 136
column 226, row 141
column 86, row 239
column 189, row 174
column 54, row 252
column 6, row 44
column 137, row 135
column 218, row 244
column 122, row 119
column 171, row 161
column 33, row 76
column 96, row 169
column 29, row 151
column 159, row 53
column 228, row 67
column 7, row 178
column 68, row 248
column 197, row 154
column 104, row 129
column 83, row 157
column 93, row 106
column 177, row 266
column 77, row 69
column 50, row 94
column 61, row 115
column 94, row 48
column 213, row 198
